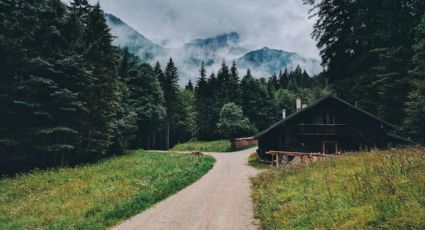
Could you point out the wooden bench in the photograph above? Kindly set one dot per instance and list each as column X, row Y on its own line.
column 276, row 155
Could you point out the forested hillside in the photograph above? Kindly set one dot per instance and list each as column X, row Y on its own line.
column 68, row 96
column 374, row 54
column 261, row 100
column 61, row 98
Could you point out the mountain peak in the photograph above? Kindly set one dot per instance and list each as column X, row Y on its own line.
column 232, row 36
column 211, row 51
column 113, row 19
column 126, row 36
column 218, row 41
column 270, row 61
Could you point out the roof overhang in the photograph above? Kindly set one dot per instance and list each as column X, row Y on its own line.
column 315, row 104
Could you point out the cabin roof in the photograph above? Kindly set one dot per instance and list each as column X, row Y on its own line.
column 317, row 103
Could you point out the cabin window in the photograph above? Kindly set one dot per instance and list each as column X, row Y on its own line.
column 328, row 118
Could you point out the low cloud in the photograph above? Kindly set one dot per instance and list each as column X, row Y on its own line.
column 280, row 24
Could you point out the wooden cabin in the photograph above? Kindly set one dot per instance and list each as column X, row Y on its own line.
column 328, row 126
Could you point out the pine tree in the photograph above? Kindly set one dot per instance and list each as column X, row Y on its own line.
column 257, row 102
column 104, row 101
column 201, row 101
column 47, row 106
column 159, row 73
column 223, row 78
column 366, row 47
column 126, row 113
column 283, row 79
column 170, row 88
column 232, row 86
column 273, row 82
column 147, row 99
column 62, row 99
column 306, row 80
column 81, row 9
column 185, row 128
column 295, row 79
column 124, row 66
column 214, row 101
column 415, row 108
column 189, row 86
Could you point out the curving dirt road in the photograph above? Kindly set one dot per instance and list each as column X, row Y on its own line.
column 219, row 200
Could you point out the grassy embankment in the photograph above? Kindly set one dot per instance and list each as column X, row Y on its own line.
column 380, row 189
column 208, row 146
column 95, row 196
column 255, row 162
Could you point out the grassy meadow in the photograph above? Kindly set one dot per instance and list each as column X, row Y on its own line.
column 208, row 146
column 378, row 189
column 96, row 196
column 204, row 146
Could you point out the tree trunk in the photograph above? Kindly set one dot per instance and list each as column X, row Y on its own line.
column 167, row 136
column 153, row 141
column 55, row 160
column 62, row 159
column 45, row 159
column 149, row 143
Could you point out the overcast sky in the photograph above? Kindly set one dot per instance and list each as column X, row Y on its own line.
column 279, row 24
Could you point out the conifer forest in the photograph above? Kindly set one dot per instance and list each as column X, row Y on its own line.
column 69, row 96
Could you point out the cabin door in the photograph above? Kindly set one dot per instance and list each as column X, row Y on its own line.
column 330, row 147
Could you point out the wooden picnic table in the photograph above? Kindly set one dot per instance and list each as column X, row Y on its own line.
column 276, row 155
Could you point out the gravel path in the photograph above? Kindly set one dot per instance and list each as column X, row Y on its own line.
column 219, row 200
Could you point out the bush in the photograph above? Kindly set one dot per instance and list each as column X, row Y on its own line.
column 233, row 124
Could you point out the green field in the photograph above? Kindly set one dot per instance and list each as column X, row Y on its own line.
column 379, row 189
column 208, row 146
column 204, row 146
column 96, row 196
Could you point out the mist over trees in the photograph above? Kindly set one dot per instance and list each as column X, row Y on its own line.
column 68, row 96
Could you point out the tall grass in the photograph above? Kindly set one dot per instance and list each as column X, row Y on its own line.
column 205, row 146
column 95, row 196
column 220, row 146
column 255, row 162
column 379, row 189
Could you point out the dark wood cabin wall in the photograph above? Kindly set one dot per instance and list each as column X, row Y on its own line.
column 366, row 131
column 270, row 141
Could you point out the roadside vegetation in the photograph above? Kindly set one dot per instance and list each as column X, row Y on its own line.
column 209, row 146
column 378, row 189
column 255, row 162
column 96, row 196
column 205, row 146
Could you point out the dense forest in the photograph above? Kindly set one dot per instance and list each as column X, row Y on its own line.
column 374, row 54
column 68, row 96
